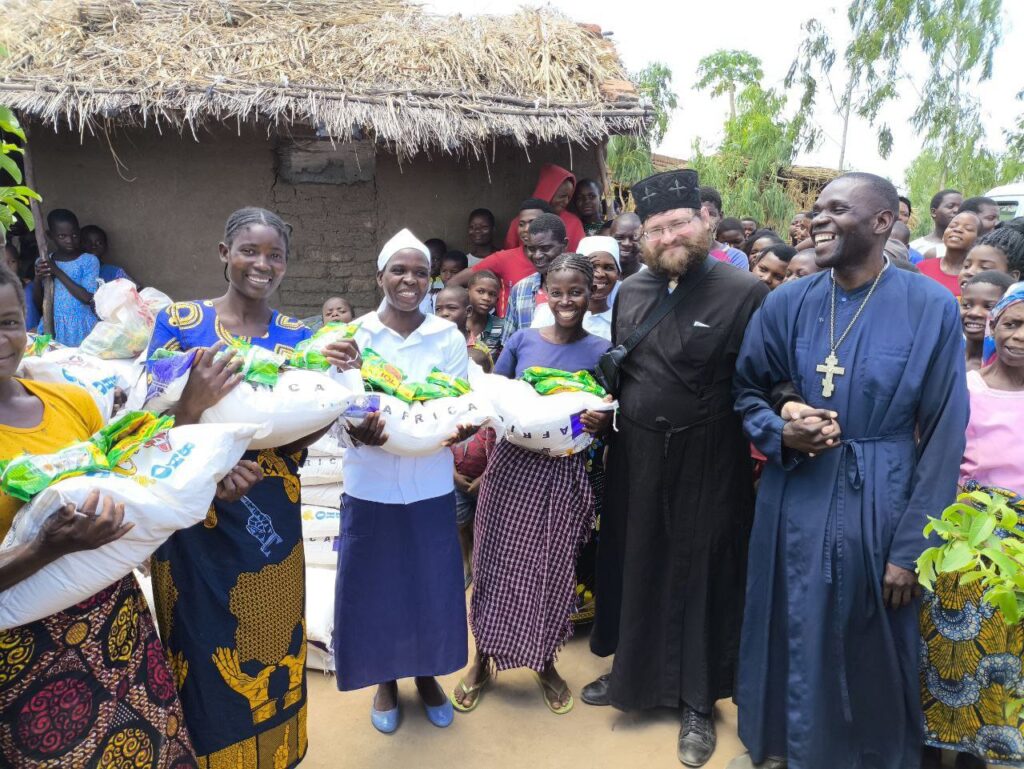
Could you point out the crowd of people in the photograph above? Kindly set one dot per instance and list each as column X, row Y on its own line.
column 790, row 411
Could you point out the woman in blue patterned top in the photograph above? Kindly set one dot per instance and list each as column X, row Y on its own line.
column 230, row 592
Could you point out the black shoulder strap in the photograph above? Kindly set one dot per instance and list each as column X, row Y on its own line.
column 667, row 304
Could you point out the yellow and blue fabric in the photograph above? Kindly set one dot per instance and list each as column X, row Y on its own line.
column 230, row 592
column 972, row 665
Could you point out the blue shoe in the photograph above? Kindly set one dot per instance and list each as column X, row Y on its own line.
column 384, row 721
column 442, row 715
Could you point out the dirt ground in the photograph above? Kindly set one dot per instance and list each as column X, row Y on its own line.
column 510, row 728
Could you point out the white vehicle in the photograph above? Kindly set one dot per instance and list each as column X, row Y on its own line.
column 1010, row 198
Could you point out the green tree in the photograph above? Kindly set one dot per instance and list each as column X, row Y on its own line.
column 629, row 157
column 756, row 146
column 726, row 71
column 15, row 199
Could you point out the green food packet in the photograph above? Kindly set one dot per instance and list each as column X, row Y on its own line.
column 309, row 353
column 548, row 381
column 37, row 344
column 259, row 366
column 25, row 476
column 379, row 374
column 454, row 385
column 411, row 392
column 127, row 435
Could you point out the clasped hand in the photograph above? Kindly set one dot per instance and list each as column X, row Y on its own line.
column 810, row 430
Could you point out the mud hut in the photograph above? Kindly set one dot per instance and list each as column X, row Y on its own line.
column 156, row 118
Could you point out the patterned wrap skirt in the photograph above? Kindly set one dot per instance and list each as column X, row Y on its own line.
column 90, row 687
column 534, row 515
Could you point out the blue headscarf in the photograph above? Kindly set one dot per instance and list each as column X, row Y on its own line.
column 1014, row 295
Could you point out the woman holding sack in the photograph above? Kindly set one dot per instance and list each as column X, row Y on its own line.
column 400, row 606
column 87, row 686
column 230, row 592
column 534, row 513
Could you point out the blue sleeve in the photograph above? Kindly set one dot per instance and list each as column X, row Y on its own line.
column 509, row 358
column 90, row 278
column 761, row 366
column 738, row 259
column 942, row 425
column 163, row 332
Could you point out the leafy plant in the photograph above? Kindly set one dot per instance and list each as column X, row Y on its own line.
column 15, row 200
column 981, row 543
column 726, row 71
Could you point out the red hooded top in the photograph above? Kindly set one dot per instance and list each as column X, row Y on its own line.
column 551, row 178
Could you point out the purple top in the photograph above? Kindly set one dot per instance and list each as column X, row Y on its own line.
column 527, row 348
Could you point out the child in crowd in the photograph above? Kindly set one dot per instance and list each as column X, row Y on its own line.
column 337, row 309
column 959, row 239
column 94, row 241
column 452, row 304
column 437, row 248
column 75, row 276
column 1002, row 250
column 452, row 263
column 730, row 232
column 481, row 235
column 800, row 228
column 757, row 242
column 483, row 326
column 773, row 265
column 801, row 265
column 977, row 298
column 13, row 263
column 534, row 513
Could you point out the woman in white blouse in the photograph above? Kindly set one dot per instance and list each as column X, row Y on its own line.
column 400, row 607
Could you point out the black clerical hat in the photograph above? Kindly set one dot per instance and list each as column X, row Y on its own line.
column 665, row 192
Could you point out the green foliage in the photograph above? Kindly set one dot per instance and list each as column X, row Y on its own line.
column 981, row 542
column 725, row 72
column 758, row 143
column 1015, row 136
column 15, row 201
column 629, row 157
column 970, row 168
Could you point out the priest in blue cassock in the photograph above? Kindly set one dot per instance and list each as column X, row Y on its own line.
column 852, row 383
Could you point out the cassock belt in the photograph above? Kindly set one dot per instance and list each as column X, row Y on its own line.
column 852, row 466
column 662, row 425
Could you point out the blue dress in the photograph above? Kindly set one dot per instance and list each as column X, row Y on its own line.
column 72, row 320
column 828, row 675
column 230, row 592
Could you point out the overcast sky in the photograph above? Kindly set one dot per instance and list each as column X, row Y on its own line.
column 680, row 34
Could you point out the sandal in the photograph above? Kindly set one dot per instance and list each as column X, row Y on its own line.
column 551, row 695
column 469, row 691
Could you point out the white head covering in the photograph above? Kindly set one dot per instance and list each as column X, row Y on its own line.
column 404, row 239
column 595, row 243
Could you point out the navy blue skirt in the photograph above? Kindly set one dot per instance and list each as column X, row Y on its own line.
column 400, row 599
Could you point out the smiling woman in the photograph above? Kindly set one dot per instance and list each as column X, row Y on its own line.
column 250, row 547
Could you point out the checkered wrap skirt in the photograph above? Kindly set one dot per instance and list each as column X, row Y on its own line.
column 534, row 514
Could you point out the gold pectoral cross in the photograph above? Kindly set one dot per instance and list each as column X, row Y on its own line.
column 829, row 368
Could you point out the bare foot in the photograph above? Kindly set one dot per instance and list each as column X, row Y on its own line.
column 386, row 697
column 476, row 675
column 430, row 691
column 557, row 690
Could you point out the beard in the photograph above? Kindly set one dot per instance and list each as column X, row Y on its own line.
column 676, row 259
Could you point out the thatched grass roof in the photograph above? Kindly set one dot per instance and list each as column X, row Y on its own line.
column 414, row 80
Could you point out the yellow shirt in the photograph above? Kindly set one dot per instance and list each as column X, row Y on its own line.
column 69, row 415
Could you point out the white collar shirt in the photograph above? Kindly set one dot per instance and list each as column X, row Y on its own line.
column 373, row 474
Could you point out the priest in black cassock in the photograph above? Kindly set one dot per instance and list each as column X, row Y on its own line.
column 680, row 500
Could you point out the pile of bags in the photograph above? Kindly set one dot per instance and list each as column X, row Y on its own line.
column 127, row 317
column 322, row 484
column 164, row 476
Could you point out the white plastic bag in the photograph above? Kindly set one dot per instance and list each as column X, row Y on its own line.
column 322, row 495
column 68, row 365
column 320, row 551
column 320, row 617
column 301, row 403
column 327, row 446
column 320, row 521
column 420, row 429
column 167, row 485
column 127, row 317
column 317, row 471
column 549, row 424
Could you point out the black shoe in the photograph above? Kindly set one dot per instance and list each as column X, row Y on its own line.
column 596, row 692
column 696, row 738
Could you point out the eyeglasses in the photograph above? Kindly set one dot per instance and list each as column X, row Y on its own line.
column 669, row 229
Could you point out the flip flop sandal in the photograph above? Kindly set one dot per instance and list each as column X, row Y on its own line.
column 469, row 691
column 547, row 688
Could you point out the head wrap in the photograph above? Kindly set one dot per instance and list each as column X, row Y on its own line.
column 594, row 243
column 403, row 240
column 1014, row 295
column 665, row 192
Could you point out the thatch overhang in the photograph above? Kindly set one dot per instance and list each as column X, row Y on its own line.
column 412, row 80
